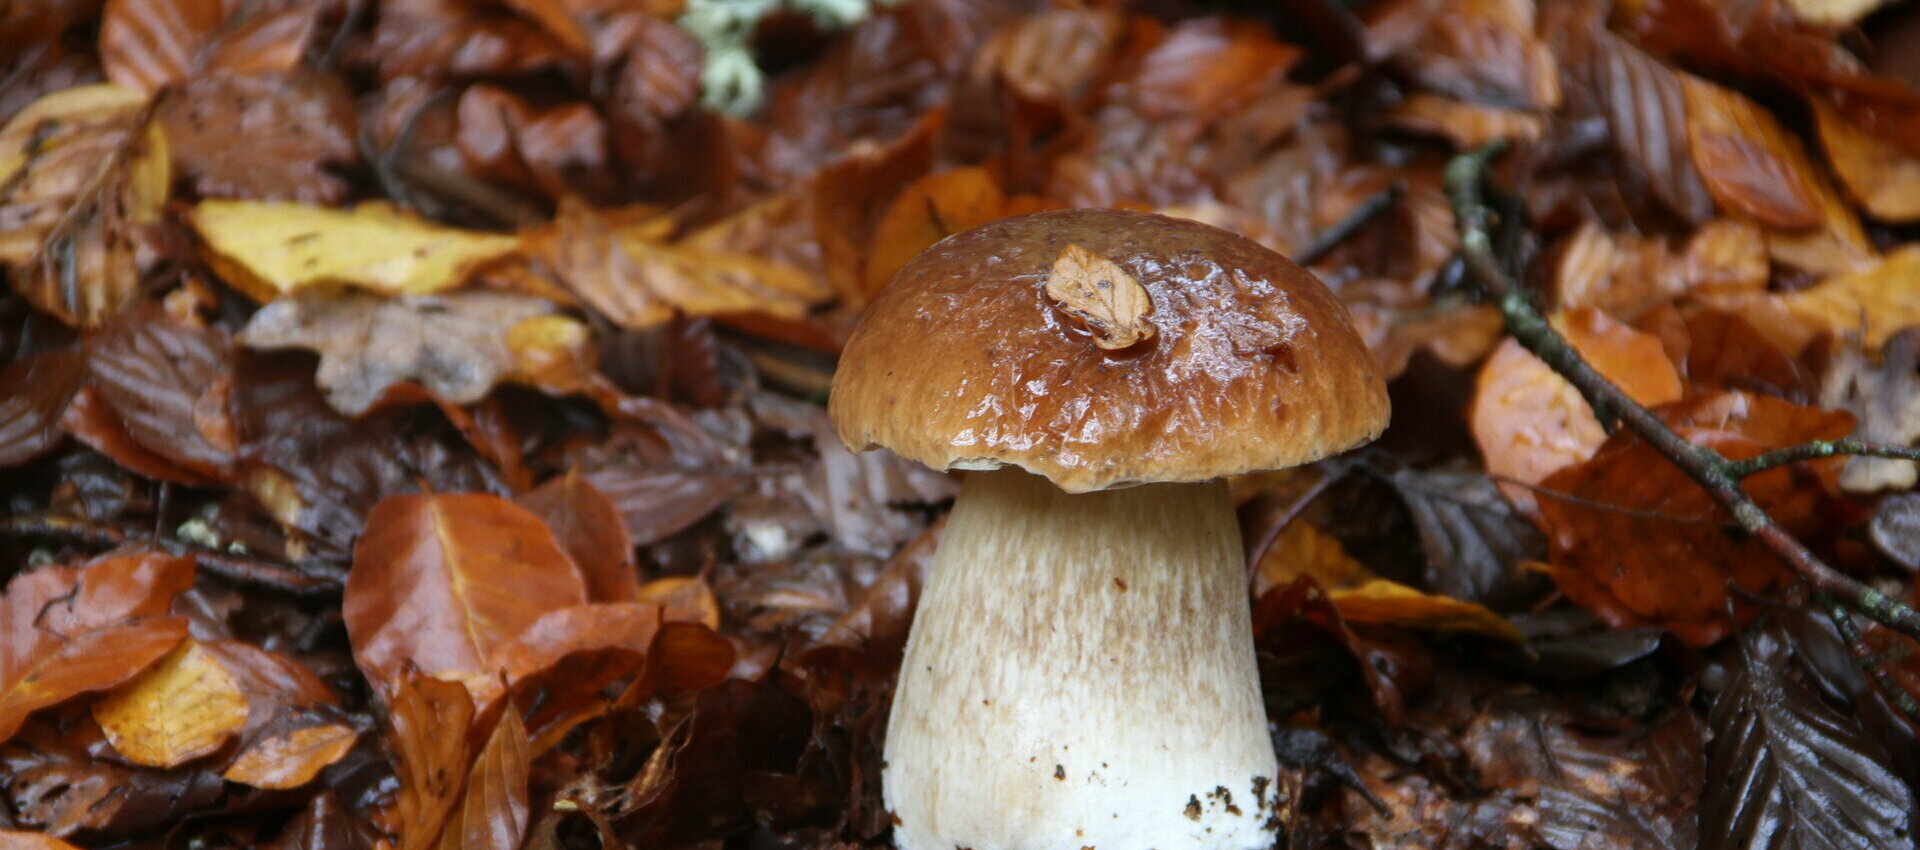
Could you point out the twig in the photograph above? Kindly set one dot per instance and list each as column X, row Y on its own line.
column 1820, row 449
column 1716, row 474
column 1869, row 660
column 1326, row 240
column 227, row 565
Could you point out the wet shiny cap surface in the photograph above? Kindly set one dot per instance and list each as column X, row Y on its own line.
column 1160, row 350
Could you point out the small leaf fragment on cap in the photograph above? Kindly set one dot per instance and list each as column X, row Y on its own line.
column 1094, row 290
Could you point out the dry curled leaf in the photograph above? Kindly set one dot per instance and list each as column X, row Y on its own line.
column 270, row 249
column 81, row 171
column 457, row 345
column 1100, row 295
column 184, row 707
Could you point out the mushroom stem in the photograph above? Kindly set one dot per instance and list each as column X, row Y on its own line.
column 1081, row 674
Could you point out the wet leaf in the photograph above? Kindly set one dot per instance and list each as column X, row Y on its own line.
column 32, row 841
column 70, row 630
column 147, row 44
column 81, row 171
column 267, row 249
column 185, row 707
column 1636, row 542
column 658, row 502
column 557, row 151
column 1884, row 398
column 168, row 386
column 1749, row 162
column 1874, row 302
column 1362, row 597
column 1643, row 104
column 1475, row 540
column 1529, row 421
column 442, row 583
column 429, row 721
column 291, row 759
column 690, row 596
column 589, row 526
column 1626, row 275
column 299, row 126
column 493, row 812
column 34, row 392
column 931, row 209
column 56, row 782
column 1786, row 770
column 1896, row 529
column 1884, row 179
column 457, row 345
column 1100, row 296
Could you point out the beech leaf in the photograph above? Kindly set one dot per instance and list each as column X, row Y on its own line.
column 1302, row 550
column 1784, row 770
column 269, row 249
column 1102, row 296
column 184, row 707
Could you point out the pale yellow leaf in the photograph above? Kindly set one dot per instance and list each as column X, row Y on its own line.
column 185, row 707
column 1092, row 289
column 269, row 249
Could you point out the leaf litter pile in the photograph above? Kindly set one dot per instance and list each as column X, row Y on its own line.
column 412, row 427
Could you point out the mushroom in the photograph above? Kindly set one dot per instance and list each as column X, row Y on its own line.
column 1081, row 671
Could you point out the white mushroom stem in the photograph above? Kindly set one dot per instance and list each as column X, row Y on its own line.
column 1081, row 674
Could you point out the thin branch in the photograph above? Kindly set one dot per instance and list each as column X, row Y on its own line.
column 1820, row 449
column 1718, row 476
column 1869, row 660
column 227, row 565
column 1326, row 240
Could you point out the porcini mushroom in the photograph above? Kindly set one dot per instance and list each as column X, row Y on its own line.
column 1081, row 672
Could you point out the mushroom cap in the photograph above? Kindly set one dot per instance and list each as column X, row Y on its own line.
column 969, row 359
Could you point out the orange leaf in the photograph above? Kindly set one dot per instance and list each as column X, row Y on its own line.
column 184, row 707
column 494, row 811
column 1751, row 165
column 1637, row 542
column 688, row 594
column 66, row 631
column 429, row 721
column 32, row 841
column 147, row 44
column 441, row 583
column 293, row 758
column 1882, row 177
column 928, row 210
column 1529, row 421
column 1303, row 551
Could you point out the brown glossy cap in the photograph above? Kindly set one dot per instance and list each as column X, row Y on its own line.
column 970, row 360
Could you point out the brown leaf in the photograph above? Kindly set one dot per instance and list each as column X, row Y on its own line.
column 429, row 721
column 184, row 707
column 493, row 812
column 1111, row 305
column 685, row 594
column 167, row 385
column 32, row 841
column 1626, row 275
column 656, row 503
column 850, row 197
column 293, row 758
column 1751, row 165
column 147, row 44
column 297, row 125
column 441, row 584
column 1303, row 551
column 1467, row 125
column 456, row 345
column 1643, row 103
column 1049, row 57
column 1637, row 542
column 34, row 392
column 92, row 421
column 556, row 151
column 1206, row 67
column 1485, row 52
column 68, row 630
column 1884, row 179
column 928, row 210
column 1884, row 398
column 80, row 171
column 57, row 781
column 292, row 731
column 589, row 525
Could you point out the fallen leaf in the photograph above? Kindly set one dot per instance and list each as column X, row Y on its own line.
column 1833, row 13
column 457, row 345
column 184, row 707
column 1644, row 105
column 1749, row 162
column 32, row 841
column 656, row 503
column 147, row 44
column 1466, row 125
column 1884, row 179
column 429, row 722
column 1102, row 297
column 1529, row 421
column 168, row 385
column 1784, row 769
column 494, row 810
column 80, row 171
column 590, row 527
column 1477, row 543
column 1206, row 67
column 1637, row 542
column 293, row 728
column 1895, row 529
column 70, row 630
column 270, row 249
column 34, row 392
column 1874, row 302
column 57, row 782
column 1627, row 275
column 1303, row 551
column 931, row 209
column 441, row 583
column 292, row 759
column 92, row 421
column 298, row 125
column 687, row 594
column 1884, row 398
column 556, row 151
column 850, row 196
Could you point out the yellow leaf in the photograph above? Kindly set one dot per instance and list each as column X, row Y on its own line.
column 79, row 169
column 1092, row 289
column 1874, row 302
column 32, row 841
column 291, row 759
column 269, row 249
column 1883, row 178
column 185, row 707
column 552, row 352
column 1361, row 596
column 685, row 593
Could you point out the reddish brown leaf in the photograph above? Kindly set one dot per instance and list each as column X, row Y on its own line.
column 147, row 44
column 493, row 812
column 69, row 630
column 297, row 125
column 34, row 392
column 429, row 721
column 168, row 385
column 1644, row 106
column 851, row 196
column 1206, row 67
column 657, row 503
column 928, row 210
column 1751, row 165
column 442, row 584
column 92, row 421
column 686, row 595
column 57, row 781
column 556, row 151
column 1638, row 543
column 32, row 841
column 589, row 525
